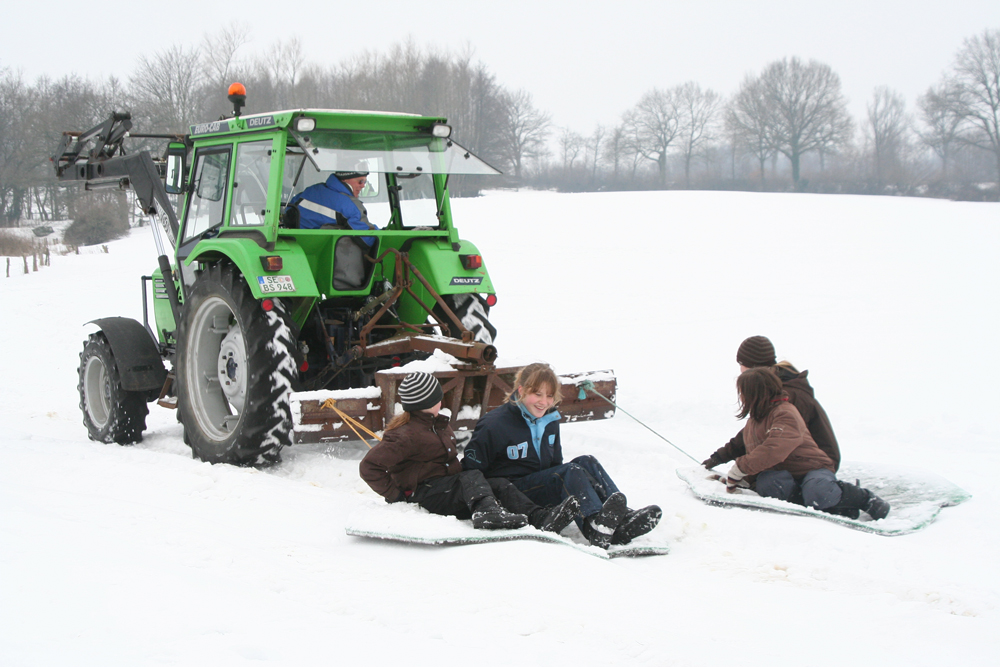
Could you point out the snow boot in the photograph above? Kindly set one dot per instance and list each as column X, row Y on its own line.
column 599, row 528
column 554, row 519
column 853, row 498
column 636, row 523
column 488, row 515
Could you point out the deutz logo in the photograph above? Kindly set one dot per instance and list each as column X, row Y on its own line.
column 466, row 281
column 259, row 122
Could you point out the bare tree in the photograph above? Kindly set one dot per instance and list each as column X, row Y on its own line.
column 218, row 52
column 478, row 110
column 594, row 147
column 942, row 125
column 283, row 64
column 808, row 112
column 570, row 146
column 15, row 156
column 525, row 131
column 976, row 85
column 887, row 126
column 699, row 114
column 615, row 149
column 748, row 118
column 653, row 124
column 52, row 107
column 166, row 89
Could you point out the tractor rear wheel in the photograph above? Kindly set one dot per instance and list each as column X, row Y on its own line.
column 110, row 413
column 474, row 314
column 235, row 370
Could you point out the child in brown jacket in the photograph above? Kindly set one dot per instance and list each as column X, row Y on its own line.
column 784, row 458
column 417, row 462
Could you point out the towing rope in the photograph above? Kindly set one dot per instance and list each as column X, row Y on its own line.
column 588, row 385
column 351, row 422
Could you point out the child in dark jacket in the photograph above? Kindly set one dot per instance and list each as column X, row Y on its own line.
column 520, row 441
column 417, row 462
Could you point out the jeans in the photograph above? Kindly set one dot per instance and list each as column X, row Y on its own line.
column 583, row 477
column 817, row 488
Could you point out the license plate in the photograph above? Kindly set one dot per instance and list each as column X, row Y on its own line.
column 276, row 284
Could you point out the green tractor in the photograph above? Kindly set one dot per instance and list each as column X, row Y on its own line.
column 268, row 331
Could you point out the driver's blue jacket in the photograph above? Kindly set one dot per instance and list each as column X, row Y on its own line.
column 320, row 205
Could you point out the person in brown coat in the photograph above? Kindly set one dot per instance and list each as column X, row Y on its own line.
column 417, row 462
column 783, row 459
column 757, row 351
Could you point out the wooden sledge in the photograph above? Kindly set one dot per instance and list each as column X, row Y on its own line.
column 470, row 391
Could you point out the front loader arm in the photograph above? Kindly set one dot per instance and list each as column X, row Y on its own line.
column 105, row 165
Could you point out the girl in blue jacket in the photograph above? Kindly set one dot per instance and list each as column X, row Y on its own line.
column 520, row 441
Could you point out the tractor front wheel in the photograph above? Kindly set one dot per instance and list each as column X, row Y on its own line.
column 235, row 370
column 110, row 413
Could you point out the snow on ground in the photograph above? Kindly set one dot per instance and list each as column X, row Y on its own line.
column 143, row 556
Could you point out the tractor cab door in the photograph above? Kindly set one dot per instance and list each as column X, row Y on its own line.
column 206, row 203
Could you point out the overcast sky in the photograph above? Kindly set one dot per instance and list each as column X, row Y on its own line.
column 585, row 62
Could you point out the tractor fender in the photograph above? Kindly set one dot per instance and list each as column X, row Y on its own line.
column 246, row 254
column 439, row 262
column 136, row 354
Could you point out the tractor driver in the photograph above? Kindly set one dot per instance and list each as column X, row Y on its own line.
column 335, row 203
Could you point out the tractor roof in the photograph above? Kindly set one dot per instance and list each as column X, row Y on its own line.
column 326, row 119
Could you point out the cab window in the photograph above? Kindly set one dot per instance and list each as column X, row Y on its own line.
column 253, row 170
column 208, row 197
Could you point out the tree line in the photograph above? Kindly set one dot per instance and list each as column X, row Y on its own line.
column 788, row 128
column 785, row 128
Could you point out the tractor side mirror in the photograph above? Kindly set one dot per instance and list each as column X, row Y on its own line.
column 173, row 181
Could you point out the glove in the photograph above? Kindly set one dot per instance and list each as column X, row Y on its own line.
column 735, row 479
column 400, row 497
column 710, row 462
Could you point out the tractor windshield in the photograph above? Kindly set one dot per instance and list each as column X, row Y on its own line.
column 407, row 153
column 402, row 163
column 415, row 202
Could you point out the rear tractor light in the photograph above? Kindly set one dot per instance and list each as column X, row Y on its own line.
column 267, row 305
column 271, row 262
column 472, row 261
column 491, row 300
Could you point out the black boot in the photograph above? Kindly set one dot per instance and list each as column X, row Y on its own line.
column 854, row 498
column 488, row 515
column 600, row 527
column 554, row 519
column 636, row 523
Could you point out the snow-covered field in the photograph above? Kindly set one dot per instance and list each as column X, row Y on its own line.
column 143, row 556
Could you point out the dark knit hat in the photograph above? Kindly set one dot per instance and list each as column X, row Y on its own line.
column 419, row 391
column 756, row 351
column 347, row 175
